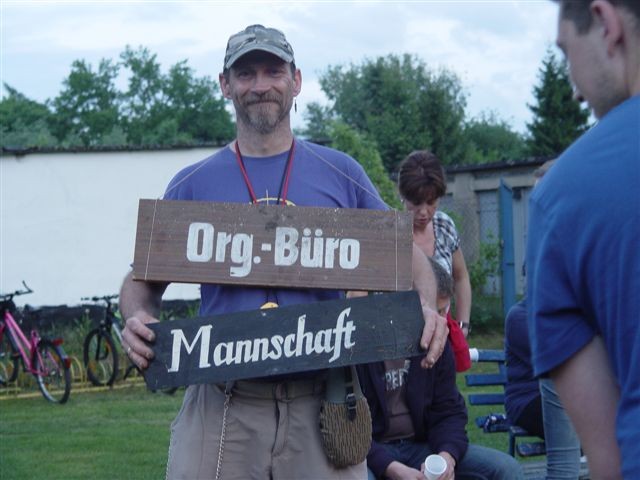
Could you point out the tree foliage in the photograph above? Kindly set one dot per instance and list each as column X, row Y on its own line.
column 558, row 119
column 174, row 108
column 401, row 104
column 348, row 140
column 87, row 107
column 318, row 119
column 493, row 140
column 156, row 108
column 24, row 121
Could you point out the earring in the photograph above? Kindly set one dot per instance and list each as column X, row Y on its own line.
column 295, row 105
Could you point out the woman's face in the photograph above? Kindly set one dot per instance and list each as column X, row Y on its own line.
column 422, row 213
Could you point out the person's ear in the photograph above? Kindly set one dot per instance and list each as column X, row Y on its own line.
column 608, row 19
column 224, row 86
column 297, row 79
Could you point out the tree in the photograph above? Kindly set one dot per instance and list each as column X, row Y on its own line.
column 348, row 140
column 155, row 109
column 24, row 122
column 318, row 119
column 197, row 105
column 558, row 119
column 492, row 140
column 402, row 105
column 142, row 101
column 176, row 108
column 87, row 108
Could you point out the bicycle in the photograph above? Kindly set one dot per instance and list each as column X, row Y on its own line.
column 100, row 354
column 43, row 357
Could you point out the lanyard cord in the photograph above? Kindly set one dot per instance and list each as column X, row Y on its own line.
column 284, row 182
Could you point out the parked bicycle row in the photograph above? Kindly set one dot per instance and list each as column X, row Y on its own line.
column 44, row 357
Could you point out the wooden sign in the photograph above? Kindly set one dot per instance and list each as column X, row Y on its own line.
column 261, row 343
column 244, row 244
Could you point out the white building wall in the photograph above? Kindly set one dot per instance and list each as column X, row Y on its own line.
column 68, row 220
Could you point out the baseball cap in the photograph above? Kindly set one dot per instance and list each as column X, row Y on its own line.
column 257, row 37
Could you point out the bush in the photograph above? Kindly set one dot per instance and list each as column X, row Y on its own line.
column 486, row 310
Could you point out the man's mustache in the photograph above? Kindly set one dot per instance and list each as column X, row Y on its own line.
column 262, row 99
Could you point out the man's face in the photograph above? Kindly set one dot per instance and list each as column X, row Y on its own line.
column 262, row 88
column 589, row 66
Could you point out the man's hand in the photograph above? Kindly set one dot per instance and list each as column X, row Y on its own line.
column 449, row 473
column 134, row 338
column 140, row 305
column 434, row 335
column 399, row 471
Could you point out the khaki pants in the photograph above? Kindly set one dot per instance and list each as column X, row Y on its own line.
column 272, row 432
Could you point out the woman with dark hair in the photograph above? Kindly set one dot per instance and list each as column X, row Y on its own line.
column 421, row 182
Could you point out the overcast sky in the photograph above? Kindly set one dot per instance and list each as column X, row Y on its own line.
column 496, row 47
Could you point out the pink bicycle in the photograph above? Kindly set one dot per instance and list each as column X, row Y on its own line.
column 43, row 357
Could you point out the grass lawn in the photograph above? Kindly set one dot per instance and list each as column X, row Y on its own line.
column 112, row 434
column 121, row 433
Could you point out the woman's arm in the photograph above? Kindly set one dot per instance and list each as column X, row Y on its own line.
column 462, row 290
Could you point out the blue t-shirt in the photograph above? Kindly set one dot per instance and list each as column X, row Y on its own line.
column 583, row 261
column 522, row 386
column 320, row 177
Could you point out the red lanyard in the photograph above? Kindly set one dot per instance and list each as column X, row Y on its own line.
column 284, row 182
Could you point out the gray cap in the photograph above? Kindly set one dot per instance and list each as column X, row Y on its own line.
column 257, row 37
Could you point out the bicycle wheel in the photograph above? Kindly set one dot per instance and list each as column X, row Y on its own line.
column 100, row 358
column 9, row 359
column 54, row 377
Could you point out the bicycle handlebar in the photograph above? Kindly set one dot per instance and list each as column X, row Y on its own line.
column 9, row 296
column 106, row 298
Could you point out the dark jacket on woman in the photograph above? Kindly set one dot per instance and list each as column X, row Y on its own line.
column 437, row 409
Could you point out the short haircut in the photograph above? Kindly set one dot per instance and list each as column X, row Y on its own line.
column 578, row 11
column 421, row 177
column 444, row 280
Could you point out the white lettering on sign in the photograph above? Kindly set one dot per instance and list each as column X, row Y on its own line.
column 314, row 253
column 309, row 250
column 179, row 339
column 296, row 344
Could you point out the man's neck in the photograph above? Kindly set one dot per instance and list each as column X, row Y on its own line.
column 253, row 144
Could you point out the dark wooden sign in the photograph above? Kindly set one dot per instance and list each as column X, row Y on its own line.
column 262, row 343
column 243, row 244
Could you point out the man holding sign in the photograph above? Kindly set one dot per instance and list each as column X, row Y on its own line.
column 267, row 427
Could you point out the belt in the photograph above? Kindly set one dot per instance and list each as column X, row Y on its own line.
column 399, row 441
column 284, row 390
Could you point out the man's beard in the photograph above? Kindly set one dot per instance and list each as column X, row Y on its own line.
column 258, row 112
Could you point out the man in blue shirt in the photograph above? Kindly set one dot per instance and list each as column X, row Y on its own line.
column 583, row 252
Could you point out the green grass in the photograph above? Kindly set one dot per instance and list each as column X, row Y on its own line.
column 121, row 433
column 124, row 433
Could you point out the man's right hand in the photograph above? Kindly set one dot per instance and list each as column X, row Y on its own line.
column 136, row 336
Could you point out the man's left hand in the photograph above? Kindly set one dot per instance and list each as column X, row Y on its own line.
column 434, row 335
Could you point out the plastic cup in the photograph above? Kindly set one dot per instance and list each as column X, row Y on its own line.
column 434, row 466
column 473, row 353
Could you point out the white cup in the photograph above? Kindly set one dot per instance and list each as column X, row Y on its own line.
column 434, row 466
column 473, row 354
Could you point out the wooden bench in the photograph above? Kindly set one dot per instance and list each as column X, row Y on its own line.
column 498, row 422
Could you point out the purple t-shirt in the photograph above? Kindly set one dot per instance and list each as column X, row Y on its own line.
column 320, row 177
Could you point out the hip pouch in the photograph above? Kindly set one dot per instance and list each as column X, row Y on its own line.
column 345, row 419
